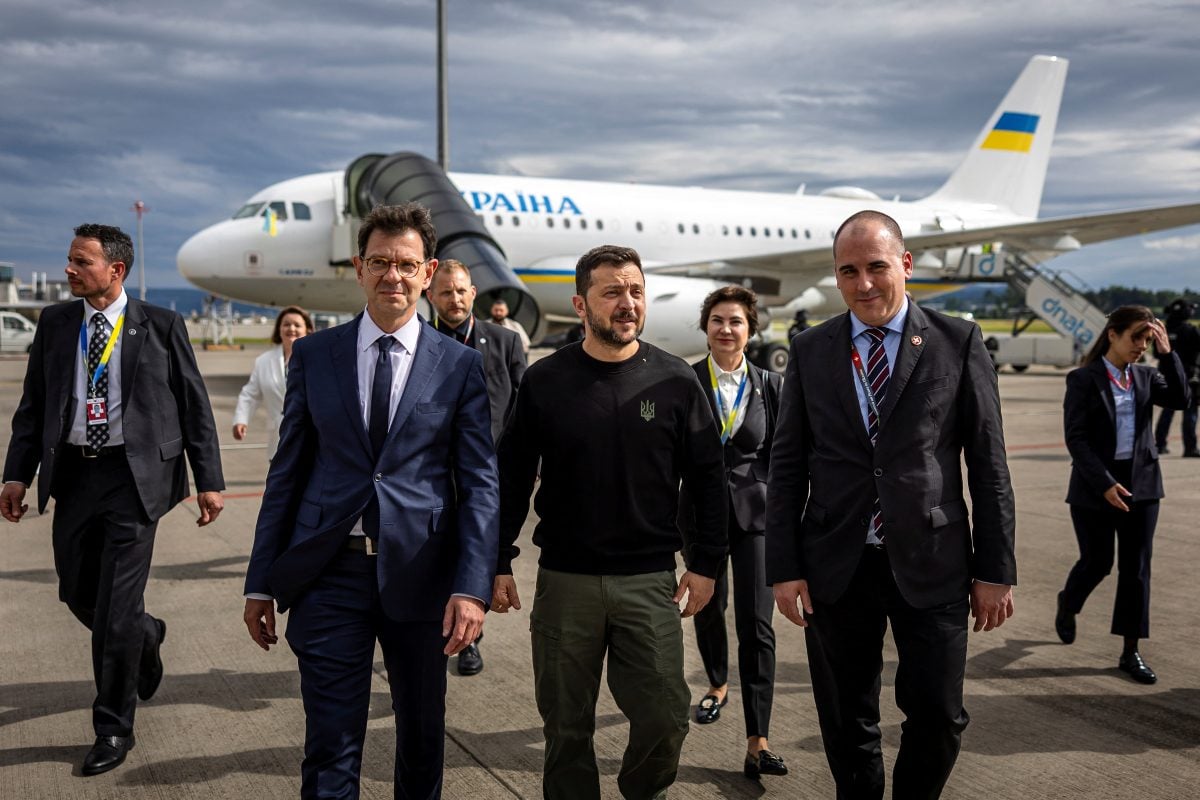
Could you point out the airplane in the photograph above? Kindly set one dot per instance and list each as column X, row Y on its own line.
column 291, row 243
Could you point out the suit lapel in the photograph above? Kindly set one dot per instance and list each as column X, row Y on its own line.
column 1141, row 394
column 1100, row 378
column 133, row 334
column 701, row 369
column 66, row 347
column 842, row 370
column 430, row 347
column 912, row 345
column 344, row 354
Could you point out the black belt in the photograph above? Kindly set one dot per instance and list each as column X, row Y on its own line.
column 86, row 451
column 362, row 544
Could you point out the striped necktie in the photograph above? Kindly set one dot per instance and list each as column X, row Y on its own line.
column 877, row 376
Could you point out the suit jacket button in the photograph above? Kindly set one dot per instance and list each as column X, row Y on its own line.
column 878, row 472
column 378, row 476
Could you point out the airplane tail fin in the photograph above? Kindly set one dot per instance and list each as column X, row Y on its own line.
column 1006, row 166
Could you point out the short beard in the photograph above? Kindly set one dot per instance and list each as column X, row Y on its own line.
column 606, row 334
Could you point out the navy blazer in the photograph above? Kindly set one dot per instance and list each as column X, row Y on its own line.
column 942, row 405
column 435, row 480
column 165, row 410
column 1090, row 426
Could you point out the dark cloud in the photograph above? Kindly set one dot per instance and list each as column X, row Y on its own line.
column 193, row 107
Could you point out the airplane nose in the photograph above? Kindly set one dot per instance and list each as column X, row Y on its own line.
column 194, row 259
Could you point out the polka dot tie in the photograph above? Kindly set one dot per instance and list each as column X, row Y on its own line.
column 97, row 435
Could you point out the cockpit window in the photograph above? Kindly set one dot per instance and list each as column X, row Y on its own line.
column 301, row 211
column 280, row 209
column 248, row 210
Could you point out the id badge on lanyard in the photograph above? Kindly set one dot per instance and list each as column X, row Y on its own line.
column 96, row 406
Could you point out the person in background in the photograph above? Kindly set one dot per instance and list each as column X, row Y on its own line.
column 268, row 379
column 745, row 401
column 499, row 312
column 1116, row 483
column 1185, row 342
column 452, row 295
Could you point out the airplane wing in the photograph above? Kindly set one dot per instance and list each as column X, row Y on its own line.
column 1043, row 236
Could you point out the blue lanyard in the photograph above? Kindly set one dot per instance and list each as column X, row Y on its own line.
column 727, row 418
column 105, row 356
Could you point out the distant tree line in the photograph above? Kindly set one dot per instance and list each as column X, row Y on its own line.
column 1002, row 303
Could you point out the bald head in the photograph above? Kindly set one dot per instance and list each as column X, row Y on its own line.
column 868, row 223
column 871, row 266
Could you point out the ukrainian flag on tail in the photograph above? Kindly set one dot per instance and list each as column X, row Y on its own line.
column 270, row 220
column 1012, row 131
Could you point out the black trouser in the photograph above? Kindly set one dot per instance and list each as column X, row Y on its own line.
column 1162, row 430
column 102, row 549
column 753, row 604
column 1133, row 531
column 845, row 655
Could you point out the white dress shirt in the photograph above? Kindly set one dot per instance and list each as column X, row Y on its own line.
column 402, row 357
column 116, row 433
column 727, row 387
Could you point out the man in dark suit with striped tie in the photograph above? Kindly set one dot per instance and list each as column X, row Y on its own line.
column 866, row 521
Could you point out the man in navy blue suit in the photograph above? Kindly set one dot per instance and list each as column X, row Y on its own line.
column 379, row 520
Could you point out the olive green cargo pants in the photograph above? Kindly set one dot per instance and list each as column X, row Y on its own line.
column 575, row 620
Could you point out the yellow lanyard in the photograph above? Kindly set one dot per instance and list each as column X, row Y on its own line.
column 104, row 357
column 726, row 418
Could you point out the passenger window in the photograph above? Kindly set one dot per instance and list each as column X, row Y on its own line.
column 583, row 224
column 549, row 222
column 807, row 233
column 9, row 322
column 766, row 231
column 301, row 211
column 566, row 223
column 280, row 209
column 599, row 224
column 724, row 230
column 753, row 231
column 681, row 228
column 739, row 230
column 499, row 220
column 695, row 228
column 639, row 227
column 794, row 236
column 516, row 221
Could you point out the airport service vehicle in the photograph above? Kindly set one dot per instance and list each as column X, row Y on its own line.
column 16, row 332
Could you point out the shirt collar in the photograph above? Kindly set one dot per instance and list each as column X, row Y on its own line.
column 112, row 313
column 734, row 373
column 407, row 334
column 1112, row 368
column 895, row 324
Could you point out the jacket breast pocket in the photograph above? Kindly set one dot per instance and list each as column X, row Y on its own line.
column 931, row 384
column 434, row 408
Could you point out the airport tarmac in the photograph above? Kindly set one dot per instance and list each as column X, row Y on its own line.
column 1047, row 720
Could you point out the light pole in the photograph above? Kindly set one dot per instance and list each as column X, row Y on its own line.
column 443, row 91
column 141, row 209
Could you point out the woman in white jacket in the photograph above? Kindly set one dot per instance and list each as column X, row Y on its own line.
column 268, row 381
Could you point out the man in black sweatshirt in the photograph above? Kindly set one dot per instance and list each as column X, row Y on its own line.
column 616, row 424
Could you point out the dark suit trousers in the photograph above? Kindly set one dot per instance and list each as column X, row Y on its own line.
column 753, row 604
column 845, row 653
column 1134, row 533
column 102, row 550
column 332, row 629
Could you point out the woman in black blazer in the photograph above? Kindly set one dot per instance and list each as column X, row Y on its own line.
column 1116, row 483
column 745, row 401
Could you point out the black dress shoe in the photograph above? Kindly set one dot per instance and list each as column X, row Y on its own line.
column 108, row 752
column 767, row 763
column 709, row 710
column 150, row 671
column 1137, row 669
column 1162, row 449
column 1064, row 621
column 1191, row 454
column 470, row 660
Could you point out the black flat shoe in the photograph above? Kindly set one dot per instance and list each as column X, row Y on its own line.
column 767, row 763
column 150, row 672
column 709, row 710
column 1137, row 669
column 1064, row 622
column 108, row 752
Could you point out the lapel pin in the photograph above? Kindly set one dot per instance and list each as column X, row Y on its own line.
column 916, row 340
column 482, row 340
column 132, row 332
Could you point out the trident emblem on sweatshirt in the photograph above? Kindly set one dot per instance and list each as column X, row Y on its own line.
column 647, row 410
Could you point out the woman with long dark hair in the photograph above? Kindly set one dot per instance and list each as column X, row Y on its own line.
column 1116, row 483
column 745, row 401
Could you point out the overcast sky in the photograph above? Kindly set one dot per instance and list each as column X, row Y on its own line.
column 194, row 106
